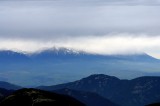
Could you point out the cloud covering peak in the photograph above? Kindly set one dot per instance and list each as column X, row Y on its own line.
column 96, row 26
column 105, row 45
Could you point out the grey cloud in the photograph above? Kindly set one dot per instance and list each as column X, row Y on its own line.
column 52, row 19
column 93, row 26
column 99, row 1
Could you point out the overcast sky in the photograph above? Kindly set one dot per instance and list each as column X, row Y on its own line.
column 95, row 26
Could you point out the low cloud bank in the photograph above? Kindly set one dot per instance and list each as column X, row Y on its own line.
column 115, row 44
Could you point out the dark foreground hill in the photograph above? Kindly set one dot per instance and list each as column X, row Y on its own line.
column 4, row 93
column 88, row 98
column 154, row 104
column 135, row 92
column 33, row 97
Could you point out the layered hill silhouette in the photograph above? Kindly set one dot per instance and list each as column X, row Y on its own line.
column 55, row 66
column 34, row 97
column 136, row 92
column 88, row 98
column 9, row 86
column 95, row 90
column 20, row 97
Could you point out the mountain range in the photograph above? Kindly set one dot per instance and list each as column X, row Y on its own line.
column 55, row 66
column 136, row 92
column 102, row 90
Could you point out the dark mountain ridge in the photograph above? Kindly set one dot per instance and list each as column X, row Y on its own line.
column 135, row 92
column 34, row 97
column 88, row 98
column 9, row 86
